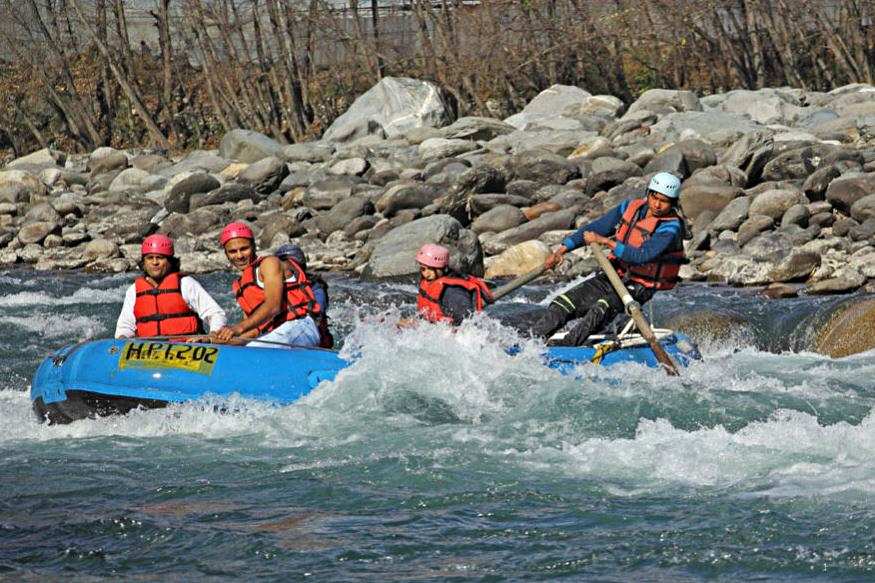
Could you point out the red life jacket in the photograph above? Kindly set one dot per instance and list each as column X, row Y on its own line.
column 430, row 292
column 162, row 311
column 662, row 273
column 298, row 300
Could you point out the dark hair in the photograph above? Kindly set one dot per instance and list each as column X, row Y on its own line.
column 173, row 260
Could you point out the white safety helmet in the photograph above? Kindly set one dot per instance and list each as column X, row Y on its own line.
column 666, row 184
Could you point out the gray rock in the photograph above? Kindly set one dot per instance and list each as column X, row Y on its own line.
column 481, row 203
column 697, row 198
column 753, row 226
column 523, row 188
column 360, row 224
column 816, row 184
column 151, row 163
column 751, row 152
column 562, row 142
column 392, row 107
column 498, row 219
column 178, row 201
column 732, row 216
column 740, row 270
column 865, row 231
column 864, row 208
column 197, row 161
column 405, row 196
column 197, row 222
column 69, row 203
column 105, row 160
column 544, row 167
column 476, row 128
column 712, row 126
column 37, row 231
column 774, row 203
column 847, row 281
column 796, row 215
column 822, row 220
column 134, row 180
column 43, row 212
column 475, row 181
column 669, row 160
column 53, row 242
column 349, row 167
column 38, row 160
column 20, row 186
column 844, row 191
column 439, row 148
column 766, row 106
column 394, row 253
column 230, row 192
column 550, row 104
column 248, row 146
column 664, row 101
column 842, row 227
column 266, row 175
column 606, row 173
column 324, row 194
column 798, row 266
column 773, row 247
column 278, row 223
column 563, row 219
column 798, row 163
column 343, row 213
column 101, row 249
column 313, row 152
column 8, row 209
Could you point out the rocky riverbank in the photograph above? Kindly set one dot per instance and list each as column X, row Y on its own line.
column 779, row 187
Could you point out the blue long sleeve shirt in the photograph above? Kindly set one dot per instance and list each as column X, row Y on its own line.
column 662, row 239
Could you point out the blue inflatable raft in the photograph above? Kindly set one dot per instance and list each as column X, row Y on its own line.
column 106, row 377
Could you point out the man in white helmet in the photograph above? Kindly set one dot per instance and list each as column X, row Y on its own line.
column 645, row 238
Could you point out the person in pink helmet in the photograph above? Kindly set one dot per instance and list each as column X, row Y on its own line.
column 445, row 296
column 277, row 300
column 164, row 302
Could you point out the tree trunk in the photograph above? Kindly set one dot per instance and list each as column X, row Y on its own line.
column 126, row 86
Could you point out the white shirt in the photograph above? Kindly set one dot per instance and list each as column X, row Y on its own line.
column 210, row 313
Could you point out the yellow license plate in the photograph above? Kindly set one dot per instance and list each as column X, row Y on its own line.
column 197, row 359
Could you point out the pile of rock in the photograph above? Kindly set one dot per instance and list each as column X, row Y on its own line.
column 778, row 186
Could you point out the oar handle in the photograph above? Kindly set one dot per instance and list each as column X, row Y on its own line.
column 633, row 308
column 517, row 283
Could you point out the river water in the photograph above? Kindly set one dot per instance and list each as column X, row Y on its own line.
column 438, row 457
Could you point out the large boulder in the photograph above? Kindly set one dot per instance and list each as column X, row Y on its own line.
column 343, row 213
column 864, row 209
column 248, row 146
column 266, row 175
column 732, row 215
column 849, row 330
column 394, row 253
column 497, row 219
column 392, row 107
column 106, row 159
column 533, row 229
column 195, row 161
column 774, row 203
column 765, row 106
column 696, row 198
column 324, row 194
column 134, row 180
column 518, row 259
column 39, row 160
column 20, row 186
column 665, row 101
column 230, row 192
column 710, row 126
column 844, row 191
column 440, row 148
column 544, row 167
column 549, row 104
column 476, row 128
column 37, row 231
column 178, row 201
column 562, row 142
column 405, row 196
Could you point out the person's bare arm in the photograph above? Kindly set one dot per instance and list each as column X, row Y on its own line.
column 271, row 271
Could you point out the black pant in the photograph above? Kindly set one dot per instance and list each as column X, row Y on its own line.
column 594, row 302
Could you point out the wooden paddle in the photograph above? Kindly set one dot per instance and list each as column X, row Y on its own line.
column 633, row 308
column 517, row 283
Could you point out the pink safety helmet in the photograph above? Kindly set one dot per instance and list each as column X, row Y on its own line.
column 157, row 245
column 236, row 230
column 432, row 255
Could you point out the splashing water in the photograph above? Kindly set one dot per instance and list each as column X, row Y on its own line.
column 437, row 456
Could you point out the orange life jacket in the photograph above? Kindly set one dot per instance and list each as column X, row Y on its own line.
column 162, row 311
column 298, row 300
column 661, row 273
column 430, row 292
